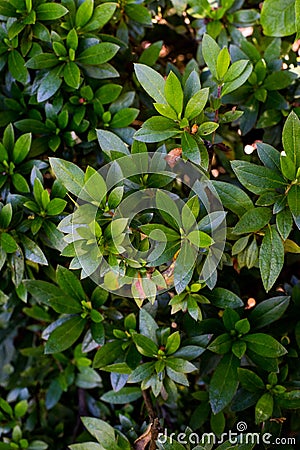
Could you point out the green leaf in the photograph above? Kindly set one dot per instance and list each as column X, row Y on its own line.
column 289, row 400
column 33, row 251
column 7, row 243
column 271, row 257
column 291, row 138
column 221, row 345
column 207, row 128
column 268, row 311
column 253, row 220
column 139, row 13
column 49, row 85
column 148, row 325
column 145, row 345
column 224, row 383
column 150, row 54
column 20, row 183
column 180, row 365
column 233, row 197
column 210, row 51
column 65, row 304
column 21, row 148
column 50, row 11
column 284, row 223
column 72, row 75
column 42, row 291
column 16, row 66
column 42, row 61
column 165, row 110
column 277, row 18
column 124, row 117
column 184, row 266
column 69, row 174
column 84, row 13
column 151, row 81
column 264, row 345
column 173, row 93
column 190, row 149
column 250, row 381
column 173, row 343
column 264, row 408
column 288, row 167
column 100, row 430
column 5, row 216
column 69, row 283
column 256, row 178
column 141, row 372
column 269, row 156
column 294, row 203
column 107, row 354
column 102, row 14
column 65, row 335
column 223, row 62
column 109, row 141
column 123, row 396
column 156, row 129
column 200, row 239
column 223, row 298
column 56, row 206
column 196, row 104
column 239, row 80
column 98, row 54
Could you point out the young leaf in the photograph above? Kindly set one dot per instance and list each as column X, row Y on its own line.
column 173, row 93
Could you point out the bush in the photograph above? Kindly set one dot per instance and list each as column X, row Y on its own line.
column 149, row 224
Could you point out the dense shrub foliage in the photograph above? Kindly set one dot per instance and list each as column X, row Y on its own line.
column 149, row 224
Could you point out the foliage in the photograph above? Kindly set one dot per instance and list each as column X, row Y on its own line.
column 149, row 223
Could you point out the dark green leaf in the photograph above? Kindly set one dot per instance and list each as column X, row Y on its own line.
column 268, row 311
column 256, row 178
column 271, row 257
column 264, row 345
column 253, row 220
column 232, row 197
column 50, row 11
column 98, row 54
column 72, row 75
column 294, row 203
column 250, row 381
column 65, row 335
column 224, row 383
column 125, row 395
column 223, row 298
column 69, row 283
column 16, row 66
